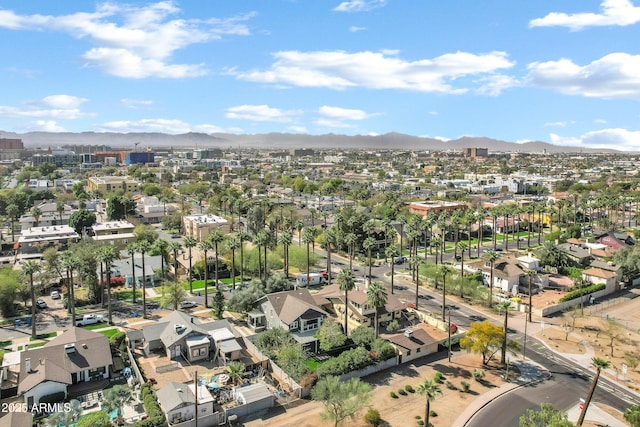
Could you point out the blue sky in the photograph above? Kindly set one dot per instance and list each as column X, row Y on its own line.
column 565, row 72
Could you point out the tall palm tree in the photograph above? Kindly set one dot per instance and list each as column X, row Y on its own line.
column 107, row 254
column 368, row 245
column 436, row 243
column 599, row 364
column 143, row 247
column 60, row 209
column 346, row 282
column 350, row 240
column 329, row 239
column 261, row 240
column 162, row 246
column 175, row 247
column 285, row 239
column 392, row 252
column 430, row 390
column 205, row 246
column 13, row 211
column 308, row 236
column 506, row 306
column 190, row 243
column 444, row 270
column 132, row 248
column 30, row 268
column 377, row 298
column 491, row 257
column 242, row 237
column 69, row 264
column 530, row 274
column 233, row 243
column 417, row 262
column 216, row 237
column 462, row 246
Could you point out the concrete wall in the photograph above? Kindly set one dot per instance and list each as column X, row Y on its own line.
column 549, row 310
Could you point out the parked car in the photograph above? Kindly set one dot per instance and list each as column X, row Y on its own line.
column 401, row 260
column 41, row 303
column 188, row 304
column 55, row 294
column 176, row 236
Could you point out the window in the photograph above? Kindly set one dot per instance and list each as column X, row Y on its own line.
column 310, row 325
column 293, row 326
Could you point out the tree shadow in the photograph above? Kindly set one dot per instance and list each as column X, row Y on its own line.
column 452, row 370
column 384, row 377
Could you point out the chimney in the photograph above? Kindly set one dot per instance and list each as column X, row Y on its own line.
column 27, row 365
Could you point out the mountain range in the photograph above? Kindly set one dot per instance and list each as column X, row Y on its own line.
column 276, row 141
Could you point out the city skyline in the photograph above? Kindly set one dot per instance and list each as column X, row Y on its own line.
column 562, row 73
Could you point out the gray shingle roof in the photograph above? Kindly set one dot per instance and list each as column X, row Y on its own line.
column 175, row 395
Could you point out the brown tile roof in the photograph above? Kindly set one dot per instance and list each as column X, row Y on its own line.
column 359, row 296
column 17, row 419
column 290, row 305
column 46, row 371
column 91, row 351
column 598, row 272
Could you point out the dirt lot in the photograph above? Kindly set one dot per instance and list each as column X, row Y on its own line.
column 402, row 411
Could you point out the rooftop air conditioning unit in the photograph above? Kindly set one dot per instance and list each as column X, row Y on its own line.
column 408, row 333
column 69, row 348
column 180, row 328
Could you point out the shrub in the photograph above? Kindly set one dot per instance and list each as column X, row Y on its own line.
column 351, row 360
column 433, row 413
column 437, row 377
column 94, row 419
column 117, row 339
column 418, row 417
column 584, row 291
column 450, row 385
column 393, row 395
column 402, row 392
column 421, row 423
column 372, row 417
column 465, row 386
column 393, row 326
column 478, row 374
column 409, row 388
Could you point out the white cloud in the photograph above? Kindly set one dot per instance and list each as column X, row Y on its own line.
column 495, row 84
column 359, row 5
column 58, row 107
column 614, row 138
column 169, row 126
column 134, row 42
column 342, row 113
column 616, row 75
column 340, row 70
column 261, row 113
column 559, row 124
column 135, row 103
column 600, row 121
column 45, row 126
column 614, row 13
column 332, row 123
column 355, row 29
column 298, row 129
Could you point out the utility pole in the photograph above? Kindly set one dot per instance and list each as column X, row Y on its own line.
column 524, row 347
column 449, row 335
column 195, row 380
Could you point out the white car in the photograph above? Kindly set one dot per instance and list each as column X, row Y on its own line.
column 41, row 303
column 55, row 295
column 188, row 304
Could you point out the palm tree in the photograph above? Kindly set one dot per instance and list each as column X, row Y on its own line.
column 368, row 245
column 30, row 268
column 377, row 298
column 233, row 244
column 506, row 306
column 242, row 237
column 308, row 236
column 491, row 257
column 430, row 390
column 261, row 240
column 69, row 264
column 329, row 239
column 235, row 370
column 417, row 262
column 436, row 243
column 462, row 246
column 116, row 397
column 132, row 248
column 36, row 213
column 162, row 246
column 285, row 239
column 346, row 282
column 599, row 364
column 350, row 240
column 216, row 237
column 13, row 211
column 60, row 209
column 143, row 247
column 190, row 243
column 444, row 270
column 67, row 417
column 107, row 254
column 205, row 246
column 392, row 252
column 174, row 247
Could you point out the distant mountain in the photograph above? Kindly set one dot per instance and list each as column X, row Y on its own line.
column 275, row 141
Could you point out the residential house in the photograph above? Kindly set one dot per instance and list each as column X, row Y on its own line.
column 577, row 253
column 76, row 356
column 615, row 240
column 608, row 266
column 118, row 233
column 152, row 269
column 416, row 342
column 598, row 275
column 296, row 311
column 49, row 216
column 178, row 402
column 506, row 273
column 360, row 311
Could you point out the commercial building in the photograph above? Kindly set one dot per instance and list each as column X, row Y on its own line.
column 108, row 184
column 424, row 208
column 199, row 226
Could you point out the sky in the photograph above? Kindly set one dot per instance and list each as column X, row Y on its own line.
column 565, row 72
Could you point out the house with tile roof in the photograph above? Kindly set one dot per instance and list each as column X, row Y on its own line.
column 598, row 275
column 360, row 311
column 296, row 311
column 76, row 356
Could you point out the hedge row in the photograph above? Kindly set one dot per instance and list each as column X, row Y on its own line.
column 583, row 291
column 152, row 408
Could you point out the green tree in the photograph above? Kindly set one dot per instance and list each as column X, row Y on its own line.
column 430, row 390
column 10, row 284
column 190, row 243
column 547, row 416
column 346, row 282
column 174, row 295
column 235, row 370
column 504, row 306
column 363, row 335
column 293, row 360
column 341, row 400
column 116, row 397
column 491, row 257
column 330, row 335
column 36, row 213
column 30, row 268
column 107, row 255
column 599, row 364
column 65, row 418
column 145, row 232
column 392, row 252
column 270, row 342
column 217, row 306
column 119, row 207
column 483, row 338
column 632, row 415
column 377, row 298
column 94, row 419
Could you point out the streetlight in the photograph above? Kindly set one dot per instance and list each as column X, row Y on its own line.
column 524, row 347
